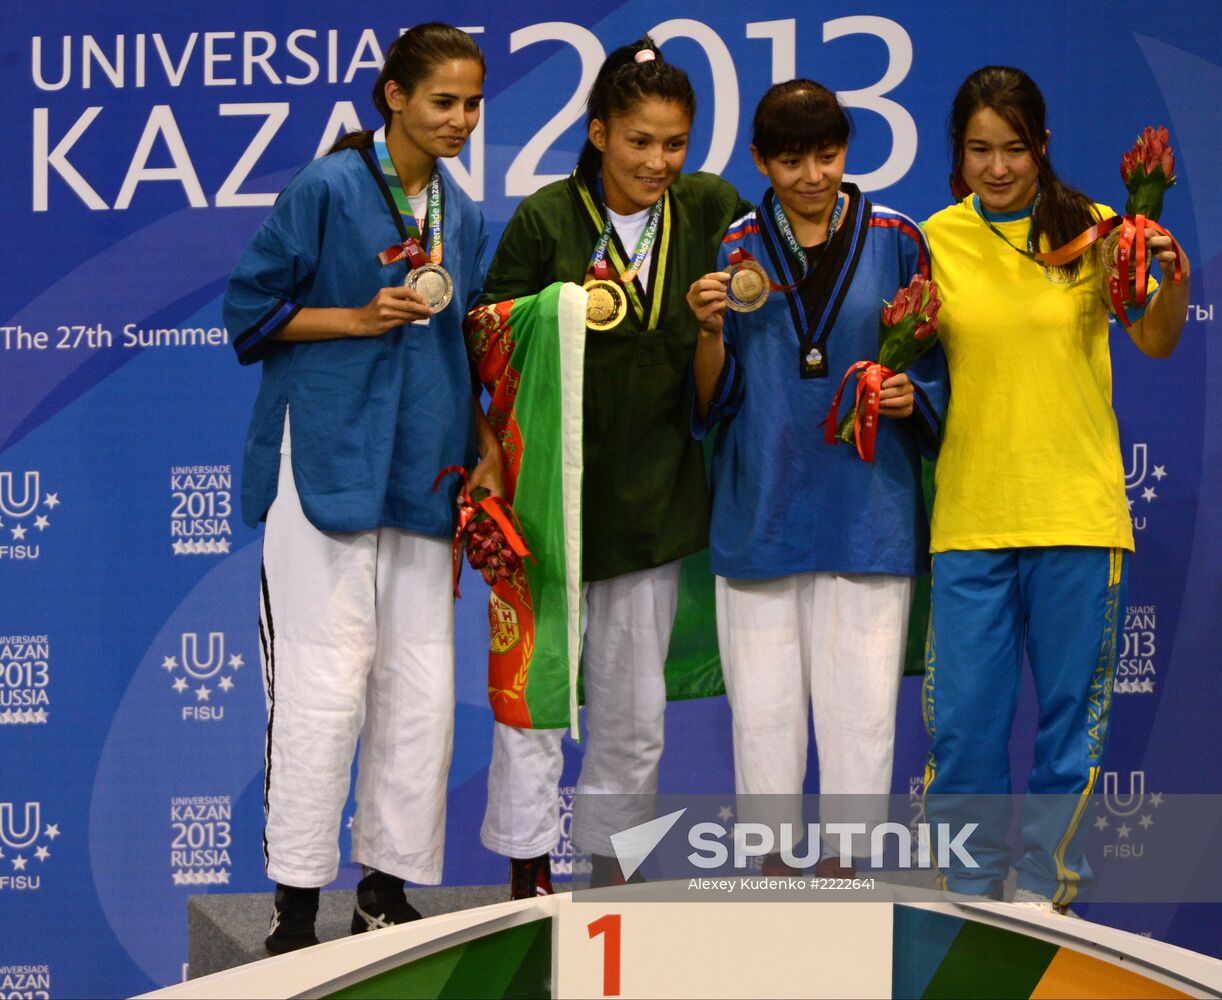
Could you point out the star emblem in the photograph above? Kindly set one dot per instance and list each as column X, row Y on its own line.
column 1148, row 494
column 1146, row 822
column 1156, row 799
column 178, row 878
column 42, row 854
column 19, row 532
column 1159, row 473
column 51, row 500
column 202, row 692
column 225, row 684
column 236, row 661
column 222, row 545
column 1101, row 823
column 19, row 863
column 179, row 548
column 169, row 662
column 1123, row 831
column 41, row 715
column 1, row 854
column 41, row 522
column 222, row 877
column 51, row 831
column 1129, row 501
column 180, row 685
column 725, row 813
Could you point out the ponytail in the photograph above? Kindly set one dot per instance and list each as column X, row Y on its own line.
column 629, row 75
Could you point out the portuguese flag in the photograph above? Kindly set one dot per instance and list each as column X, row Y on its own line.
column 530, row 355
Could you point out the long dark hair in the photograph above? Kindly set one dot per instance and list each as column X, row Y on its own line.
column 623, row 83
column 409, row 60
column 1062, row 212
column 798, row 116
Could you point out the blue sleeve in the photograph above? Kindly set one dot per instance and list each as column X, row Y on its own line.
column 728, row 392
column 930, row 392
column 261, row 296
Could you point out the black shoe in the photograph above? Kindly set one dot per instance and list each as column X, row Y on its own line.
column 380, row 902
column 292, row 920
column 530, row 877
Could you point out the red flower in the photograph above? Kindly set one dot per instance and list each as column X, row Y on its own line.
column 1149, row 151
column 920, row 302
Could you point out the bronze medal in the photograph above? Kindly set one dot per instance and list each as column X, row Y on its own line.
column 434, row 284
column 606, row 304
column 748, row 289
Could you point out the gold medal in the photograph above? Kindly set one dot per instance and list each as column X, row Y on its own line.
column 606, row 304
column 748, row 288
column 434, row 284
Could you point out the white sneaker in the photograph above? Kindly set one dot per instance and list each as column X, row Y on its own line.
column 1029, row 899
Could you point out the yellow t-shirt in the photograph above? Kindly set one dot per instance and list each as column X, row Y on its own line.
column 1031, row 452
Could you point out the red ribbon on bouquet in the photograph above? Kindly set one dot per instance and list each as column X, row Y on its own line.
column 1132, row 265
column 495, row 507
column 870, row 378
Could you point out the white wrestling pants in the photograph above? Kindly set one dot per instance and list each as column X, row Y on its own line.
column 835, row 644
column 628, row 621
column 357, row 636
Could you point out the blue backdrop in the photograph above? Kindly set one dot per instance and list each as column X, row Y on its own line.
column 143, row 153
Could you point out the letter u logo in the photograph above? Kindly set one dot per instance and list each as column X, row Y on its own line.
column 190, row 655
column 9, row 504
column 1124, row 805
column 1135, row 474
column 29, row 832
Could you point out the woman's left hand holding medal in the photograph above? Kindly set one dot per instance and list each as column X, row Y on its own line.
column 707, row 300
column 393, row 306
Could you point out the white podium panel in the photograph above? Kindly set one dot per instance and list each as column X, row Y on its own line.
column 643, row 949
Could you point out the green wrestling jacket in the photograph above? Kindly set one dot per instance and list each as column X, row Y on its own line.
column 645, row 497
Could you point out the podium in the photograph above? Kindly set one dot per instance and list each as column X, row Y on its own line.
column 626, row 942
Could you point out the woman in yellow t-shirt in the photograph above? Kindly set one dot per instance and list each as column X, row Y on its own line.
column 1031, row 532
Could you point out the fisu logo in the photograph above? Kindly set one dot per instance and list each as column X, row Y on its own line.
column 199, row 670
column 17, row 505
column 1132, row 813
column 16, row 855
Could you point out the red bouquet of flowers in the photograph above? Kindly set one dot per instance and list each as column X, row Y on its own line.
column 908, row 328
column 1147, row 170
column 487, row 530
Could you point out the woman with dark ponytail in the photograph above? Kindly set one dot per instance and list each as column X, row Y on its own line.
column 628, row 218
column 352, row 296
column 1031, row 533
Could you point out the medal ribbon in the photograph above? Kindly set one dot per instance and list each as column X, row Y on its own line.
column 433, row 213
column 870, row 377
column 648, row 309
column 495, row 507
column 1131, row 247
column 644, row 245
column 1029, row 253
column 739, row 254
column 795, row 248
